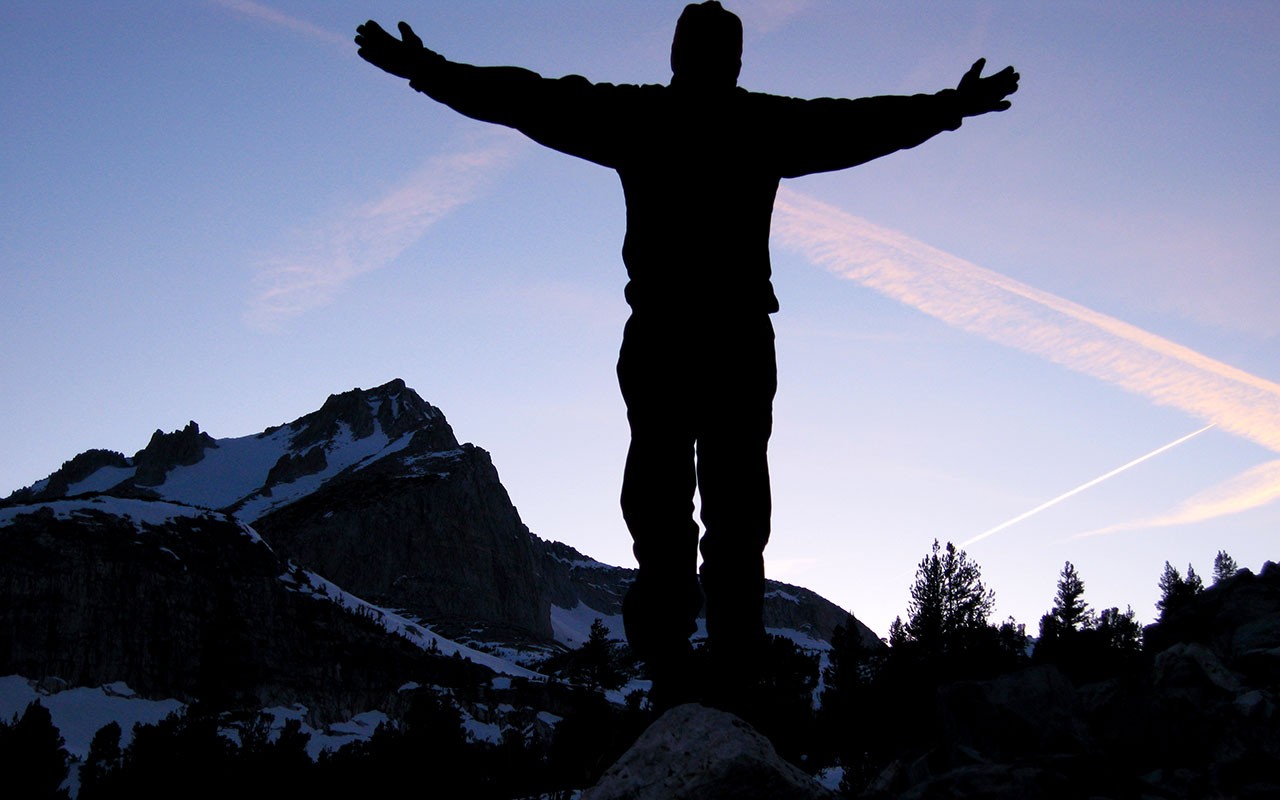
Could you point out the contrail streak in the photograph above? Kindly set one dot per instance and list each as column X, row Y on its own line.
column 1084, row 486
column 1003, row 310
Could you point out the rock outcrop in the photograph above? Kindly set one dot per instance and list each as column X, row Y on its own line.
column 183, row 603
column 697, row 752
column 168, row 450
column 1198, row 720
column 441, row 541
column 374, row 491
column 71, row 472
column 574, row 578
column 289, row 467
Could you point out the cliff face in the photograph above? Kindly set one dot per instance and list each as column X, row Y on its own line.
column 806, row 616
column 183, row 603
column 373, row 491
column 434, row 534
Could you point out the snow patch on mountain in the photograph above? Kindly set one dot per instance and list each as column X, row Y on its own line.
column 585, row 562
column 102, row 480
column 238, row 468
column 331, row 738
column 228, row 472
column 781, row 595
column 79, row 713
column 398, row 624
column 572, row 626
column 801, row 639
column 139, row 512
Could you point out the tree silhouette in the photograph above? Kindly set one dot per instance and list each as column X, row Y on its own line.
column 1224, row 566
column 1069, row 610
column 1175, row 590
column 103, row 762
column 33, row 761
column 948, row 600
column 1120, row 632
column 597, row 663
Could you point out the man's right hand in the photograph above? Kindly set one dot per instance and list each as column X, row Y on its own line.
column 980, row 95
column 404, row 57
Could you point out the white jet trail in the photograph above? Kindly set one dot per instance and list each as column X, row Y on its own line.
column 1003, row 310
column 1084, row 486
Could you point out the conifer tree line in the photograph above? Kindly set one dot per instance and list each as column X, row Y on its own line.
column 878, row 702
column 869, row 704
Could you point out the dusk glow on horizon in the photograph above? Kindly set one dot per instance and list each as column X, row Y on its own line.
column 215, row 211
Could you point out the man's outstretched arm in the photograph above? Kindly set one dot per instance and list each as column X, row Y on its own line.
column 569, row 114
column 831, row 134
column 491, row 94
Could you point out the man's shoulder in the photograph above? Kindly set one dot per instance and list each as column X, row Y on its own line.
column 605, row 86
column 765, row 99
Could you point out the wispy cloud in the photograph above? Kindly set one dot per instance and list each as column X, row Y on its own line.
column 311, row 273
column 1004, row 310
column 790, row 569
column 766, row 16
column 1252, row 489
column 270, row 15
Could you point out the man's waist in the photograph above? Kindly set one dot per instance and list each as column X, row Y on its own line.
column 652, row 295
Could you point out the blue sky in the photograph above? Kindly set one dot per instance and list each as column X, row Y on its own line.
column 213, row 210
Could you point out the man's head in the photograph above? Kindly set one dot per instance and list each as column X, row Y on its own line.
column 707, row 49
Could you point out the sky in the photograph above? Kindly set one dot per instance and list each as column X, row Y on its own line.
column 213, row 210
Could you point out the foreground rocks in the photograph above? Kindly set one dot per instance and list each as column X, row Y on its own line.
column 697, row 752
column 1197, row 720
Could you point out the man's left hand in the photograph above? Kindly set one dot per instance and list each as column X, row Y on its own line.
column 980, row 95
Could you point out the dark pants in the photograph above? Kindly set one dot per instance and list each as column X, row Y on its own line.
column 699, row 398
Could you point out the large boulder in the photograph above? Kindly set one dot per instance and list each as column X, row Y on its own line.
column 1032, row 711
column 697, row 752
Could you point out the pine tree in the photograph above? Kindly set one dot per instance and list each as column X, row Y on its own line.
column 948, row 599
column 1224, row 566
column 1071, row 612
column 102, row 763
column 1170, row 587
column 1175, row 590
column 1194, row 584
column 595, row 662
column 1120, row 632
column 33, row 761
column 897, row 632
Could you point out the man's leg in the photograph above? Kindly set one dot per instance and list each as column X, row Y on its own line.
column 661, row 608
column 735, row 421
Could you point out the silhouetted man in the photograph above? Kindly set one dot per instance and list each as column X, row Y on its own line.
column 700, row 161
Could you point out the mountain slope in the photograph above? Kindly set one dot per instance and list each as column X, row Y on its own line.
column 185, row 603
column 374, row 492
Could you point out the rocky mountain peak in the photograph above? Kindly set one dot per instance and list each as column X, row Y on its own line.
column 71, row 472
column 393, row 407
column 168, row 450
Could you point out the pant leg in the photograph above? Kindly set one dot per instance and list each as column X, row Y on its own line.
column 661, row 608
column 735, row 419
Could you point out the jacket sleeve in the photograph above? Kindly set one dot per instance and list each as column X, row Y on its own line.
column 568, row 114
column 829, row 134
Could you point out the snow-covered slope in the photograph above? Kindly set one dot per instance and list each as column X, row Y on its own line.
column 374, row 492
column 252, row 475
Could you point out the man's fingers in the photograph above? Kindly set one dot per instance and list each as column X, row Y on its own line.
column 976, row 69
column 410, row 38
column 371, row 34
column 370, row 30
